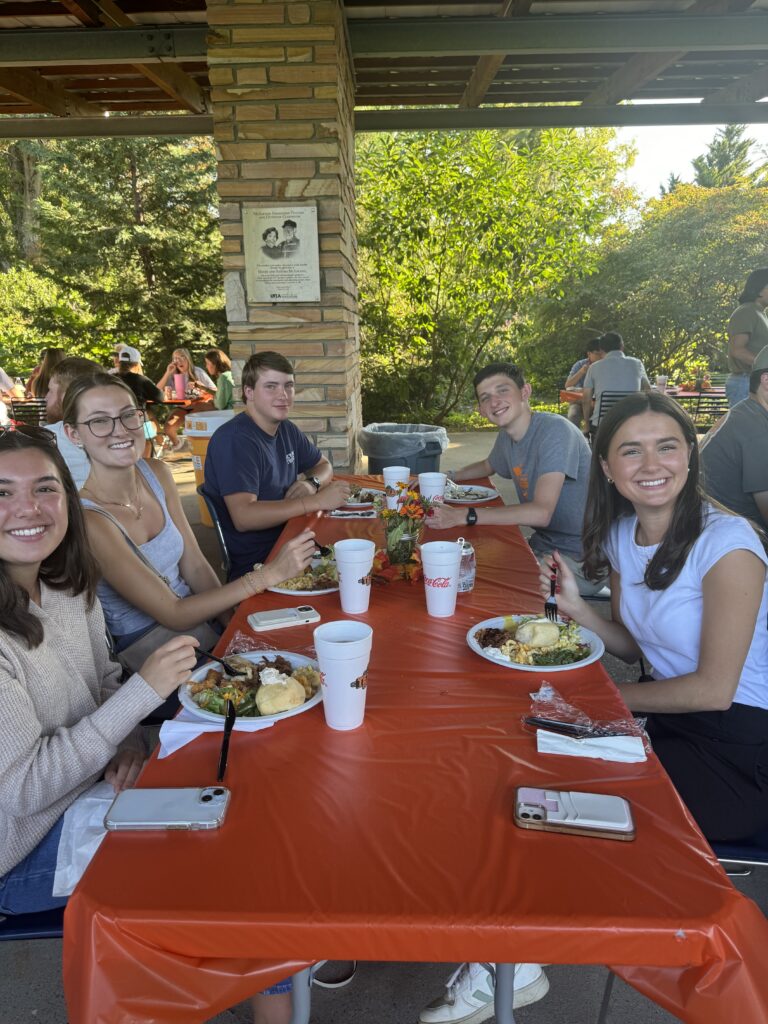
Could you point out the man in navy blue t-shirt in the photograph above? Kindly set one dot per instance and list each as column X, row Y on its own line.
column 261, row 470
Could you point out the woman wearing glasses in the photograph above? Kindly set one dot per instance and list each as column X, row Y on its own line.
column 66, row 721
column 156, row 580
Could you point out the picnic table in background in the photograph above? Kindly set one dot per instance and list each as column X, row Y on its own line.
column 396, row 841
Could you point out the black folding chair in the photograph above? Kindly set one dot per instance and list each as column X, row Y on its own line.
column 709, row 409
column 226, row 562
column 29, row 410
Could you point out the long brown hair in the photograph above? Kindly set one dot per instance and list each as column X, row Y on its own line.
column 50, row 359
column 605, row 505
column 219, row 360
column 70, row 567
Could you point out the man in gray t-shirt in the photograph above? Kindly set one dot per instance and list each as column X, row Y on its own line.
column 734, row 456
column 614, row 372
column 548, row 459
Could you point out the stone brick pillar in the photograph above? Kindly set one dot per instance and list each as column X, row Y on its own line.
column 282, row 97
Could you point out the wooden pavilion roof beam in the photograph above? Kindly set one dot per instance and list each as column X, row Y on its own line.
column 748, row 89
column 603, row 33
column 172, row 80
column 32, row 87
column 644, row 67
column 486, row 69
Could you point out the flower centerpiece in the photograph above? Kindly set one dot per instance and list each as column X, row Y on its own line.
column 403, row 525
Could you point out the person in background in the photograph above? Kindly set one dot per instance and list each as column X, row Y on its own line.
column 734, row 455
column 614, row 372
column 74, row 456
column 747, row 334
column 39, row 379
column 6, row 394
column 200, row 386
column 689, row 594
column 575, row 378
column 145, row 512
column 147, row 393
column 547, row 458
column 261, row 470
column 219, row 367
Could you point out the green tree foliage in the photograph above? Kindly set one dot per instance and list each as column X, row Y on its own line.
column 115, row 240
column 727, row 160
column 457, row 232
column 668, row 286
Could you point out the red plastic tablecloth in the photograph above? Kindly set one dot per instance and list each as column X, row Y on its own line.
column 396, row 841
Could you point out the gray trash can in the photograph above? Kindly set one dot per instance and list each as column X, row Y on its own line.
column 416, row 445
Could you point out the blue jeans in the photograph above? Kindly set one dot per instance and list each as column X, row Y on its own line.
column 28, row 887
column 736, row 388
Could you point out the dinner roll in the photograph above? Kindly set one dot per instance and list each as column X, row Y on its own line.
column 538, row 633
column 271, row 700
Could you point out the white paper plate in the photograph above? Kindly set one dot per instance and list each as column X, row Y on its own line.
column 305, row 593
column 296, row 661
column 587, row 636
column 364, row 504
column 479, row 494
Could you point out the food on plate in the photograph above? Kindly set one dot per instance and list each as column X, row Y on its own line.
column 465, row 492
column 534, row 641
column 286, row 687
column 362, row 496
column 538, row 633
column 278, row 692
column 320, row 575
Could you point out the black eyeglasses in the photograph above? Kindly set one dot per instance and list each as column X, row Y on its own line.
column 103, row 426
column 31, row 431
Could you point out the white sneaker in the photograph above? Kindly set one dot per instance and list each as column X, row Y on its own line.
column 468, row 997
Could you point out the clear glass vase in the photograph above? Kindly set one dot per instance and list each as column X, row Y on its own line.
column 401, row 541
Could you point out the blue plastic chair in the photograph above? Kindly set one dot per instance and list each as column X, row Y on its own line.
column 47, row 924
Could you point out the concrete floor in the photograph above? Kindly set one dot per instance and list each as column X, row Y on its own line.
column 382, row 993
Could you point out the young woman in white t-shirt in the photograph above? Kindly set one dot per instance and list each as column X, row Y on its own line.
column 688, row 593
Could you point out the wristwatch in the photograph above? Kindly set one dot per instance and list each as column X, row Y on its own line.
column 471, row 516
column 313, row 480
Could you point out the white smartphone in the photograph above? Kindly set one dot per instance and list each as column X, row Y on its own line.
column 160, row 809
column 279, row 618
column 586, row 814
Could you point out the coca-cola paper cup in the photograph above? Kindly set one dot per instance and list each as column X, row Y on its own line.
column 394, row 475
column 440, row 560
column 354, row 561
column 432, row 486
column 343, row 652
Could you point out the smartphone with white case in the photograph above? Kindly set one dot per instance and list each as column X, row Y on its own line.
column 154, row 810
column 586, row 814
column 279, row 618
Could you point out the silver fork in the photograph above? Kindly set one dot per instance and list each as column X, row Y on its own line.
column 550, row 605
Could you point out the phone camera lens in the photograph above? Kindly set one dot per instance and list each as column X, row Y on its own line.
column 218, row 791
column 525, row 815
column 537, row 817
column 304, row 608
column 206, row 798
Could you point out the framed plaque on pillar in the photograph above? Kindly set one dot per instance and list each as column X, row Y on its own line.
column 282, row 261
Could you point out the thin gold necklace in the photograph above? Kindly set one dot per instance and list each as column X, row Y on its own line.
column 136, row 507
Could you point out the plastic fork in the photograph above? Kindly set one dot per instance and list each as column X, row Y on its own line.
column 550, row 605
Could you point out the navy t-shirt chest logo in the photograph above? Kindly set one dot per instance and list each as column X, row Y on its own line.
column 290, row 457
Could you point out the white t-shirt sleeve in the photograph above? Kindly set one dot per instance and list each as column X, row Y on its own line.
column 723, row 534
column 6, row 384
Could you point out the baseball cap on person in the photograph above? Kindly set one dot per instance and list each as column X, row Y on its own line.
column 761, row 360
column 129, row 355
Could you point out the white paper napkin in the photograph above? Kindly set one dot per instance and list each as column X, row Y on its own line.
column 628, row 749
column 185, row 727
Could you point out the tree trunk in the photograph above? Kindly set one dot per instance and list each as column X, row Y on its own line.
column 25, row 173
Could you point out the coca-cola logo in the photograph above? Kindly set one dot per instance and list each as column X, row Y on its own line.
column 438, row 581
